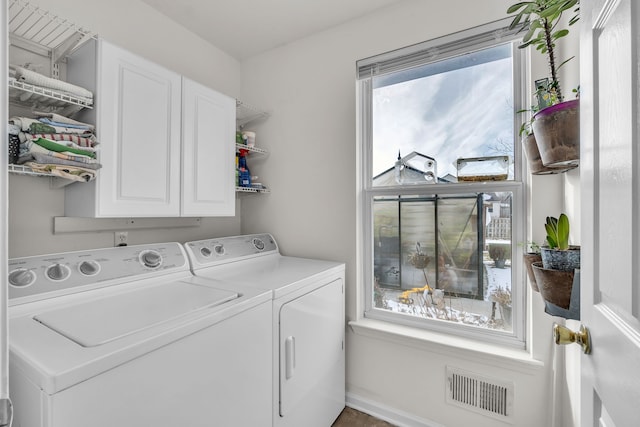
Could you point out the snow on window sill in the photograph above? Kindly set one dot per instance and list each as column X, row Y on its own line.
column 491, row 354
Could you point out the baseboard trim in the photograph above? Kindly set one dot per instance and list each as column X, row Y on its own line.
column 387, row 413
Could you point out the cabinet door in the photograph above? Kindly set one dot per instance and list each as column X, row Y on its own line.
column 139, row 133
column 312, row 364
column 208, row 144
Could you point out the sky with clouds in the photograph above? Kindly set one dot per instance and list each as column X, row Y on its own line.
column 463, row 113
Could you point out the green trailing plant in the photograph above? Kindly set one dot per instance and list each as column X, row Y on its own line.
column 557, row 232
column 530, row 247
column 540, row 18
column 525, row 127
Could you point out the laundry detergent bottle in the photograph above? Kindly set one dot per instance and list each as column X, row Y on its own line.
column 245, row 175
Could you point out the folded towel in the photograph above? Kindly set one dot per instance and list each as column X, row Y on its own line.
column 68, row 172
column 31, row 77
column 36, row 126
column 47, row 159
column 82, row 141
column 55, row 117
column 61, row 148
column 35, row 148
column 54, row 123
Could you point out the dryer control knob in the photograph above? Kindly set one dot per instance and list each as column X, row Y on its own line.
column 58, row 272
column 219, row 249
column 151, row 259
column 258, row 243
column 206, row 252
column 22, row 277
column 89, row 268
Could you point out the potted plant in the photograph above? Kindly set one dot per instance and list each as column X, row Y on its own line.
column 556, row 125
column 555, row 274
column 530, row 148
column 558, row 255
column 531, row 255
column 499, row 253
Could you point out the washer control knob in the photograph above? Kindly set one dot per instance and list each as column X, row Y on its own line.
column 151, row 259
column 89, row 268
column 58, row 272
column 219, row 249
column 258, row 243
column 206, row 252
column 22, row 277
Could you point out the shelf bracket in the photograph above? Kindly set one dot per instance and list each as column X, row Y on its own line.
column 63, row 49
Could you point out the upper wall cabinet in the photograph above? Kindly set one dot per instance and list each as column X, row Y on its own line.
column 166, row 150
column 208, row 132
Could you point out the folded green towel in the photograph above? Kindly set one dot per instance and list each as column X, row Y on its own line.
column 60, row 148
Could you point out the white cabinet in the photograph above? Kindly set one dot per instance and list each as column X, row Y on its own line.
column 166, row 151
column 208, row 132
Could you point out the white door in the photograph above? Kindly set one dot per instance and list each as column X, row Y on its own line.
column 139, row 132
column 208, row 150
column 610, row 184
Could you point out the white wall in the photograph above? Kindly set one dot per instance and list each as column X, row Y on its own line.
column 309, row 86
column 135, row 26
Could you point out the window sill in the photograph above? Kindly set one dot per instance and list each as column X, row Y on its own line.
column 519, row 360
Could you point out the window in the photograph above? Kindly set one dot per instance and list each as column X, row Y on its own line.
column 442, row 192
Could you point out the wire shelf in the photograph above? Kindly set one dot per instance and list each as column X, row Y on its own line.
column 246, row 114
column 38, row 26
column 43, row 98
column 251, row 190
column 251, row 149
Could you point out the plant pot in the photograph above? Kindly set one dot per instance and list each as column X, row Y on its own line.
column 536, row 167
column 419, row 261
column 499, row 253
column 499, row 263
column 530, row 258
column 555, row 286
column 557, row 131
column 554, row 259
column 505, row 314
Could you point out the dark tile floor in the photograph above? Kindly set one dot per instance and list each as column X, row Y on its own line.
column 352, row 418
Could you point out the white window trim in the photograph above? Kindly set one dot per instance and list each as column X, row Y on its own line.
column 517, row 338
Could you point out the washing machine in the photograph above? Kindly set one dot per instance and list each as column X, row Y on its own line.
column 308, row 321
column 128, row 337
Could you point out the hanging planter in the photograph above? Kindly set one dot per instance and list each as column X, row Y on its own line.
column 536, row 167
column 529, row 259
column 564, row 260
column 560, row 291
column 555, row 285
column 556, row 127
column 557, row 133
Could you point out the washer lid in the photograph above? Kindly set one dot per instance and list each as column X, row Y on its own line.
column 99, row 321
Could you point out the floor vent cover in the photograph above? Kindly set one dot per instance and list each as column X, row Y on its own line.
column 487, row 396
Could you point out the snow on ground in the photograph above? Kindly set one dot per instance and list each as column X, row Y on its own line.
column 436, row 305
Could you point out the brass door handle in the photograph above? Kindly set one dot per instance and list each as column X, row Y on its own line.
column 564, row 335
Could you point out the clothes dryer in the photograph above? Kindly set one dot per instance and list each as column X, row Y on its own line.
column 129, row 337
column 308, row 321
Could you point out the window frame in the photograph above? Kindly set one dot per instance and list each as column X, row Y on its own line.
column 474, row 39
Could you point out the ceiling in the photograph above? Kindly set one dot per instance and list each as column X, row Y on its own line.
column 244, row 28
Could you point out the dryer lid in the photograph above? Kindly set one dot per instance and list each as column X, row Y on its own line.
column 102, row 320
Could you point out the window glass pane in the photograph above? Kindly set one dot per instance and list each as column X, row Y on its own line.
column 445, row 121
column 444, row 257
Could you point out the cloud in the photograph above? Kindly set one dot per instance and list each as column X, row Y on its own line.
column 460, row 113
